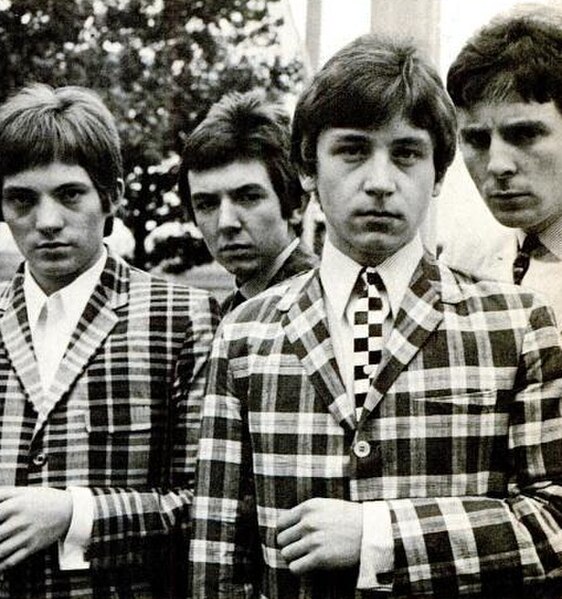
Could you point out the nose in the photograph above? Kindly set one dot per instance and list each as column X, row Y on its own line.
column 228, row 215
column 48, row 216
column 379, row 179
column 501, row 163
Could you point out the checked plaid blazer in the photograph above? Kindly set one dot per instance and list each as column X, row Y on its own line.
column 463, row 421
column 116, row 421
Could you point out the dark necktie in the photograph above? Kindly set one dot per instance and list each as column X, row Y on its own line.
column 523, row 258
column 237, row 299
column 367, row 333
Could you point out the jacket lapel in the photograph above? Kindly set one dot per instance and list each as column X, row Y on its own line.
column 16, row 336
column 95, row 324
column 306, row 328
column 419, row 315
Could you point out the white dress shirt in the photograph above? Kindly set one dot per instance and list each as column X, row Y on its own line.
column 490, row 255
column 338, row 274
column 64, row 307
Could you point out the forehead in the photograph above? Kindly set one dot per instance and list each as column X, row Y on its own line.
column 49, row 175
column 397, row 130
column 233, row 175
column 501, row 114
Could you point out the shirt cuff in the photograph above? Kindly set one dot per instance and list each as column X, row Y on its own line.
column 377, row 547
column 73, row 547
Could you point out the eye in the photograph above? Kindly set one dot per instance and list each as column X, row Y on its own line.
column 19, row 200
column 476, row 139
column 523, row 135
column 351, row 151
column 406, row 155
column 70, row 195
column 205, row 203
column 249, row 197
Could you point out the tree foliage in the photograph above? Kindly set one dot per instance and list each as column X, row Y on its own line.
column 158, row 64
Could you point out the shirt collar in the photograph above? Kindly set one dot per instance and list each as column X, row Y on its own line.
column 74, row 296
column 260, row 281
column 338, row 274
column 551, row 238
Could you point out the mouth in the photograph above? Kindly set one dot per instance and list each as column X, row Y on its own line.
column 378, row 214
column 51, row 246
column 235, row 248
column 507, row 195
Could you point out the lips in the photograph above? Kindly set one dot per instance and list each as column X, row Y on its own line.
column 507, row 194
column 51, row 245
column 378, row 214
column 235, row 248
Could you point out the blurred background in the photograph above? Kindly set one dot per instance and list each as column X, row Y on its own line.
column 160, row 64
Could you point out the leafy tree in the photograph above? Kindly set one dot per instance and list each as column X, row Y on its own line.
column 158, row 64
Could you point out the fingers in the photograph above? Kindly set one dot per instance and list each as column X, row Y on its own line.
column 13, row 550
column 14, row 559
column 9, row 492
column 289, row 518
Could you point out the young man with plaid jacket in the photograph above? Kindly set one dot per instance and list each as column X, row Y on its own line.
column 101, row 371
column 238, row 183
column 431, row 470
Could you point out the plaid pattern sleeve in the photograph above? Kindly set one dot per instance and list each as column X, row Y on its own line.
column 128, row 517
column 219, row 555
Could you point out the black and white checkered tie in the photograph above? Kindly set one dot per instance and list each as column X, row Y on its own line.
column 367, row 333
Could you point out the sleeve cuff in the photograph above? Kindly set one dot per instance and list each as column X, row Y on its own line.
column 377, row 547
column 72, row 549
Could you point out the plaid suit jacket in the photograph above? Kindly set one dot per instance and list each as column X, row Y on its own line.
column 116, row 420
column 463, row 421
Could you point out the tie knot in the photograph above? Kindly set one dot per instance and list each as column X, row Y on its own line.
column 523, row 258
column 530, row 243
column 372, row 282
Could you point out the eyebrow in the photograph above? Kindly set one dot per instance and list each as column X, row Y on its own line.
column 232, row 190
column 413, row 140
column 30, row 188
column 522, row 124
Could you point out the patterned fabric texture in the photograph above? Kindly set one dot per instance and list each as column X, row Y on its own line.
column 464, row 423
column 119, row 412
column 367, row 333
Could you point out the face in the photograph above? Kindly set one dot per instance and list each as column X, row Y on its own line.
column 55, row 215
column 374, row 186
column 513, row 152
column 239, row 215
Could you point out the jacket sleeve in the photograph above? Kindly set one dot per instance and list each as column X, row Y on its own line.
column 497, row 546
column 220, row 560
column 129, row 522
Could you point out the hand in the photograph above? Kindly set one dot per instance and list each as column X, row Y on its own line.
column 321, row 534
column 31, row 518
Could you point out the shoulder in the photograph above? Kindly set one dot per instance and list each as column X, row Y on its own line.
column 521, row 306
column 485, row 254
column 272, row 303
column 157, row 294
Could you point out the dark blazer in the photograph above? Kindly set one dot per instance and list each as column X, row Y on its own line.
column 116, row 421
column 299, row 260
column 464, row 427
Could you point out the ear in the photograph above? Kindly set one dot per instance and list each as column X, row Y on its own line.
column 308, row 182
column 119, row 193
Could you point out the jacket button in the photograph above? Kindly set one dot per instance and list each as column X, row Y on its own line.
column 362, row 449
column 39, row 459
